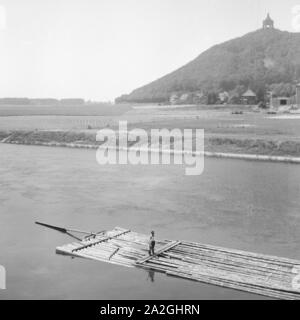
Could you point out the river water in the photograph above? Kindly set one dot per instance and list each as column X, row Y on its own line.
column 246, row 205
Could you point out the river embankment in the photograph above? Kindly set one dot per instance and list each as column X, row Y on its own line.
column 214, row 146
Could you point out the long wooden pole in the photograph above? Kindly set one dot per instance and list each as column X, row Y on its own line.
column 65, row 230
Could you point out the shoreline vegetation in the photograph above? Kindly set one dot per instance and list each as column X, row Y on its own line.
column 222, row 147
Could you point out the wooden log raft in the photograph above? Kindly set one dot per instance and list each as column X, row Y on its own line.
column 255, row 273
column 159, row 251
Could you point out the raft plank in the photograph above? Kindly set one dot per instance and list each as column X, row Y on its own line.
column 240, row 270
column 159, row 251
column 101, row 240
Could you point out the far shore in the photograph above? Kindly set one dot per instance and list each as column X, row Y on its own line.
column 240, row 132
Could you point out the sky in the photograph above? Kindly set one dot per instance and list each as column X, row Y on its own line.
column 100, row 49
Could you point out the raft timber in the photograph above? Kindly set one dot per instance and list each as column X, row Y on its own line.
column 255, row 273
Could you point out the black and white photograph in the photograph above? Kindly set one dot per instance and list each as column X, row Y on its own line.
column 149, row 151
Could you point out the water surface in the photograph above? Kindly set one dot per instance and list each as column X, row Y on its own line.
column 245, row 205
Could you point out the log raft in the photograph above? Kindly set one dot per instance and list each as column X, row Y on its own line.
column 251, row 272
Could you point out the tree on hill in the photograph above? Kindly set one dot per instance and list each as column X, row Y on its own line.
column 257, row 60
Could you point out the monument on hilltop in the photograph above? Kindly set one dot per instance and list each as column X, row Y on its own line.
column 268, row 23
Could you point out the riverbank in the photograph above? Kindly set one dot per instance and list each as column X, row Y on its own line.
column 215, row 146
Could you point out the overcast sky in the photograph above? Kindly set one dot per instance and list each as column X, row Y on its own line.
column 99, row 49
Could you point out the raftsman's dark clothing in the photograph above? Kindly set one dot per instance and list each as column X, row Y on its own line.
column 151, row 246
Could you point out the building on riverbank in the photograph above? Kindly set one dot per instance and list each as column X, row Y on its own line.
column 282, row 101
column 174, row 98
column 249, row 97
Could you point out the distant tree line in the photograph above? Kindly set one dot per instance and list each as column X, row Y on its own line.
column 46, row 101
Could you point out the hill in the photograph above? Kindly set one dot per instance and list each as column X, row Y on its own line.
column 260, row 59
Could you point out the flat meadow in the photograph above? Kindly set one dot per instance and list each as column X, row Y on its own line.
column 53, row 117
column 249, row 132
column 215, row 121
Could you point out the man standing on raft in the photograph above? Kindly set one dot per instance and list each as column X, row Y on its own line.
column 151, row 244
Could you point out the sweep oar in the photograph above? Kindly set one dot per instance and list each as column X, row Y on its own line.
column 65, row 230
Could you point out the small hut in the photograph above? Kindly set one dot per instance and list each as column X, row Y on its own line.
column 282, row 101
column 249, row 97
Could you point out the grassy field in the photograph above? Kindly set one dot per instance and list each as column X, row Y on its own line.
column 250, row 132
column 85, row 110
column 59, row 117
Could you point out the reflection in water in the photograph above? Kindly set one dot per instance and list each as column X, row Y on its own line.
column 151, row 275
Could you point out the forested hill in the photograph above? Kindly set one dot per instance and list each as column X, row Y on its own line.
column 258, row 59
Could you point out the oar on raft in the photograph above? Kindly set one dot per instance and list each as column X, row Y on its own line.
column 67, row 231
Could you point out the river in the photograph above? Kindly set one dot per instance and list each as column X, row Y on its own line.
column 246, row 205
